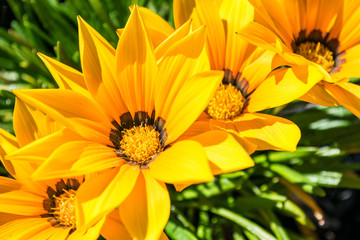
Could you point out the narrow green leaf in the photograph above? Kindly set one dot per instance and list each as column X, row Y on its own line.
column 244, row 223
column 177, row 232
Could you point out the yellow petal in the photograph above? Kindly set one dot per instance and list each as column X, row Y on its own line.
column 158, row 206
column 74, row 110
column 268, row 132
column 235, row 15
column 261, row 36
column 257, row 67
column 98, row 64
column 176, row 67
column 205, row 125
column 51, row 233
column 190, row 102
column 184, row 162
column 81, row 158
column 48, row 144
column 114, row 228
column 283, row 86
column 60, row 234
column 197, row 128
column 224, row 152
column 318, row 95
column 23, row 228
column 348, row 26
column 279, row 18
column 31, row 124
column 65, row 76
column 134, row 210
column 157, row 28
column 21, row 202
column 182, row 11
column 208, row 14
column 9, row 184
column 163, row 237
column 8, row 144
column 294, row 60
column 112, row 187
column 347, row 94
column 7, row 217
column 136, row 66
column 90, row 234
column 180, row 33
column 348, row 63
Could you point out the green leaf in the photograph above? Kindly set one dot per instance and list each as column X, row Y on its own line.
column 244, row 223
column 335, row 179
column 289, row 174
column 177, row 232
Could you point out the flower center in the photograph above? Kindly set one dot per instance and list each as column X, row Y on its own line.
column 64, row 210
column 140, row 143
column 227, row 103
column 318, row 53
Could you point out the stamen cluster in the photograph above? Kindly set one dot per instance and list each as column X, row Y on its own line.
column 140, row 143
column 65, row 211
column 227, row 103
column 318, row 53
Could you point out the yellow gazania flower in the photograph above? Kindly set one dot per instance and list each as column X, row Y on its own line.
column 129, row 109
column 321, row 33
column 37, row 209
column 247, row 86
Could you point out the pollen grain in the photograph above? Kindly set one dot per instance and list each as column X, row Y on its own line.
column 140, row 144
column 65, row 210
column 318, row 53
column 227, row 103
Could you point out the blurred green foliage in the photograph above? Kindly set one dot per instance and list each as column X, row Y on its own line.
column 257, row 203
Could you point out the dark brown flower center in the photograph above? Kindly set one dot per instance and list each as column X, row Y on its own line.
column 138, row 140
column 60, row 204
column 318, row 53
column 230, row 98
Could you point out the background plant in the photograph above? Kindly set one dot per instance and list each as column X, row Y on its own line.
column 277, row 199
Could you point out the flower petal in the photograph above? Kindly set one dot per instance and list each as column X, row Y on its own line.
column 349, row 61
column 134, row 210
column 112, row 187
column 98, row 64
column 158, row 206
column 224, row 152
column 114, row 228
column 52, row 233
column 74, row 110
column 176, row 67
column 268, row 132
column 261, row 36
column 318, row 95
column 31, row 124
column 156, row 26
column 77, row 158
column 165, row 45
column 24, row 228
column 184, row 162
column 235, row 15
column 347, row 94
column 8, row 144
column 65, row 76
column 136, row 66
column 48, row 144
column 283, row 86
column 20, row 202
column 190, row 102
column 207, row 12
column 182, row 11
column 257, row 67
